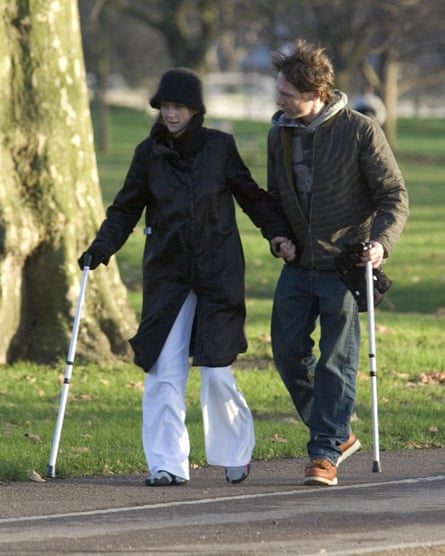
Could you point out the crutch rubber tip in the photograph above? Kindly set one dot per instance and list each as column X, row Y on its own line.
column 376, row 468
column 50, row 472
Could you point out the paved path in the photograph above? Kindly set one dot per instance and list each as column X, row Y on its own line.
column 398, row 511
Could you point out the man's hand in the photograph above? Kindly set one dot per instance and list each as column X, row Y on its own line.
column 373, row 252
column 350, row 266
column 283, row 247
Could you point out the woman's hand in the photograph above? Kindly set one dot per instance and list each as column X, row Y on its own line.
column 283, row 247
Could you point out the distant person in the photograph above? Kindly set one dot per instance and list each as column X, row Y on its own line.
column 370, row 104
column 339, row 185
column 185, row 177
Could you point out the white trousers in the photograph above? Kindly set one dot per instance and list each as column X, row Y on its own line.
column 229, row 434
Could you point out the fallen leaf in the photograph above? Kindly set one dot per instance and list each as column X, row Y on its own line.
column 419, row 445
column 36, row 477
column 136, row 385
column 355, row 418
column 431, row 377
column 32, row 437
column 86, row 397
column 383, row 329
column 290, row 420
column 264, row 338
column 402, row 376
column 278, row 438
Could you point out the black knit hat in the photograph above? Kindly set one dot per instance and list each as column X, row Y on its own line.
column 182, row 86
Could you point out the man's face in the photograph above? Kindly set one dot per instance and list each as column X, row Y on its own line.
column 294, row 103
column 176, row 116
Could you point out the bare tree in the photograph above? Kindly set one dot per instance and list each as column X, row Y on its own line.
column 129, row 36
column 184, row 29
column 382, row 39
column 187, row 26
column 405, row 32
column 50, row 201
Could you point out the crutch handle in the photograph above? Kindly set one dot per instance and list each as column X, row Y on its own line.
column 87, row 260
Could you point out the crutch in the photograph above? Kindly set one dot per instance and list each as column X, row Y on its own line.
column 51, row 470
column 376, row 468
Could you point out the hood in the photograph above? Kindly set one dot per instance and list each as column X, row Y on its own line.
column 339, row 101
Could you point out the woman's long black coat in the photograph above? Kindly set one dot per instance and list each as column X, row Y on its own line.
column 192, row 242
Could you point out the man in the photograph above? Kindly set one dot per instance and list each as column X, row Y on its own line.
column 339, row 184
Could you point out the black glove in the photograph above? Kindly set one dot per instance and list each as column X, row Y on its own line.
column 95, row 258
column 354, row 277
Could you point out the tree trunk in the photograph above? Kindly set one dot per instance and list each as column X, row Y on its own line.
column 50, row 201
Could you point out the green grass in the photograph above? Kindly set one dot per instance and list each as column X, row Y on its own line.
column 101, row 433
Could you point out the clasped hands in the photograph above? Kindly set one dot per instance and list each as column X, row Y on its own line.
column 283, row 247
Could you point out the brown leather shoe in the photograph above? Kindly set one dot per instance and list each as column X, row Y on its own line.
column 348, row 448
column 320, row 472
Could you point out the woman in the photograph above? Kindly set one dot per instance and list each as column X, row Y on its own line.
column 185, row 177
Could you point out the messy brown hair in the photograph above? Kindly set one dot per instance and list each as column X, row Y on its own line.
column 307, row 68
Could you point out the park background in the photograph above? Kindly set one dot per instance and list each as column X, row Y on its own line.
column 397, row 46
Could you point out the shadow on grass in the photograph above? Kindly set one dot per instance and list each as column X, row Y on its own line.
column 426, row 299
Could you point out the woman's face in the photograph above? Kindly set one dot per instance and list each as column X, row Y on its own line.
column 176, row 116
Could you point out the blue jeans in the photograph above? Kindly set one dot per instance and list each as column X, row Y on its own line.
column 322, row 387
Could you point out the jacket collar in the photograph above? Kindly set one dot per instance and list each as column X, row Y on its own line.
column 339, row 102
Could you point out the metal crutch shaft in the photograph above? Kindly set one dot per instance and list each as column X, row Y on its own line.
column 376, row 467
column 51, row 470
